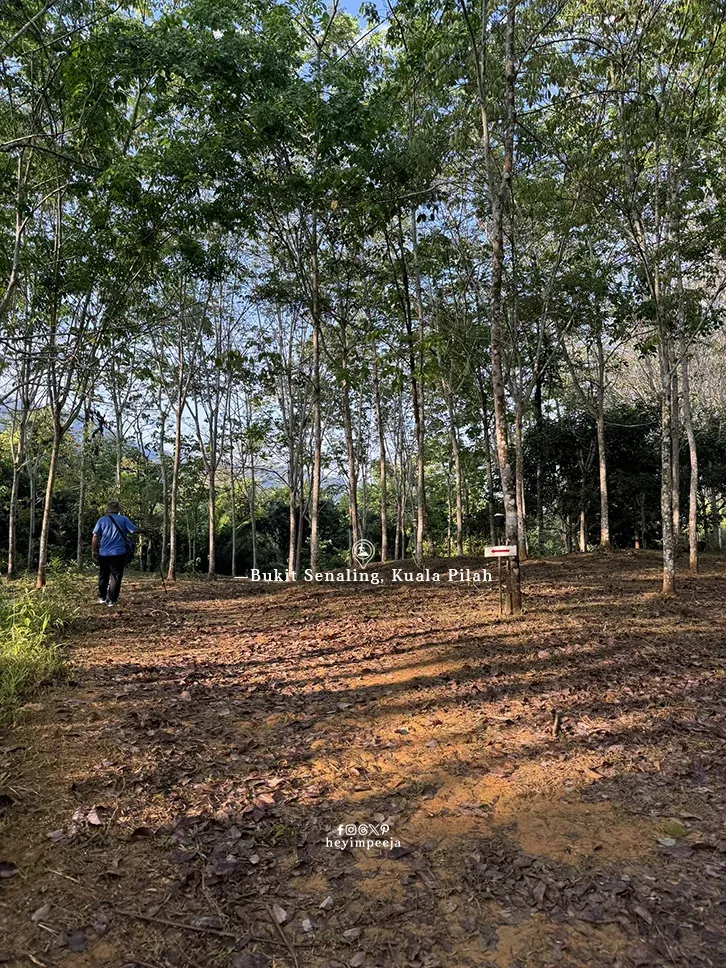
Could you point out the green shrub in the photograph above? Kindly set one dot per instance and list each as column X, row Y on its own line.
column 30, row 623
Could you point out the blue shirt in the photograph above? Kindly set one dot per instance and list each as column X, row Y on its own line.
column 113, row 543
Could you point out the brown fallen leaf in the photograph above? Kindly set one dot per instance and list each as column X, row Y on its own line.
column 279, row 913
column 94, row 817
column 643, row 913
column 41, row 913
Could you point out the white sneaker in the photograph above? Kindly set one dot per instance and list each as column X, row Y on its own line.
column 110, row 604
column 102, row 601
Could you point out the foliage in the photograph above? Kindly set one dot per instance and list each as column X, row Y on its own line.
column 30, row 624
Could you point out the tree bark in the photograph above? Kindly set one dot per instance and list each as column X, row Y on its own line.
column 13, row 519
column 666, row 487
column 164, row 493
column 567, row 535
column 602, row 464
column 487, row 458
column 300, row 532
column 519, row 480
column 693, row 460
column 82, row 489
column 675, row 450
column 352, row 463
column 32, row 472
column 539, row 425
column 292, row 519
column 601, row 448
column 252, row 503
column 212, row 521
column 18, row 453
column 317, row 428
column 171, row 572
column 715, row 520
column 382, row 462
column 513, row 599
column 418, row 399
column 232, row 504
column 49, row 487
column 456, row 456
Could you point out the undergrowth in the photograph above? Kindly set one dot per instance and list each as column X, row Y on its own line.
column 30, row 625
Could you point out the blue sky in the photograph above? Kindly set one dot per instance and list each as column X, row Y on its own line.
column 351, row 6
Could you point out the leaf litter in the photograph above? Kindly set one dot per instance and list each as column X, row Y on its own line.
column 184, row 793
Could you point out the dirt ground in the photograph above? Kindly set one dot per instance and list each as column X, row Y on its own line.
column 551, row 791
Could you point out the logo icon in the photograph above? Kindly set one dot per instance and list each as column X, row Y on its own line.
column 363, row 551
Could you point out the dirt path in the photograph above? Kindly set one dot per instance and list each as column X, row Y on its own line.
column 557, row 785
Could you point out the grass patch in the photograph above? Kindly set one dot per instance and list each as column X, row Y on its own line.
column 30, row 622
column 673, row 828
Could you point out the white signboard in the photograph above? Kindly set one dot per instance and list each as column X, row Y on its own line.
column 501, row 551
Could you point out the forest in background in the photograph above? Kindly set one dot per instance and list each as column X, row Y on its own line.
column 279, row 277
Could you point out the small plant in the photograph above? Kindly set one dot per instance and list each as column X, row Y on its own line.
column 673, row 828
column 30, row 621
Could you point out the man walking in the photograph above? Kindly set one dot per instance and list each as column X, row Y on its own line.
column 109, row 546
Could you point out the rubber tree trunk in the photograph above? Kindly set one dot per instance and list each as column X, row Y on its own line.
column 519, row 477
column 488, row 459
column 603, row 468
column 399, row 480
column 32, row 498
column 352, row 469
column 456, row 457
column 666, row 485
column 292, row 519
column 538, row 469
column 675, row 450
column 18, row 456
column 119, row 459
column 164, row 495
column 693, row 461
column 513, row 599
column 253, row 506
column 82, row 490
column 13, row 519
column 382, row 462
column 317, row 428
column 41, row 576
column 567, row 535
column 212, row 522
column 715, row 520
column 232, row 506
column 300, row 534
column 173, row 497
column 418, row 401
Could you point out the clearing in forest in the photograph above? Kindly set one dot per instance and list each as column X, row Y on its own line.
column 557, row 784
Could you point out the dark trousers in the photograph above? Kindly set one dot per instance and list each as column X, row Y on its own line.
column 111, row 570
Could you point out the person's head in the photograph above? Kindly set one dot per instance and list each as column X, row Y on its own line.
column 113, row 507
